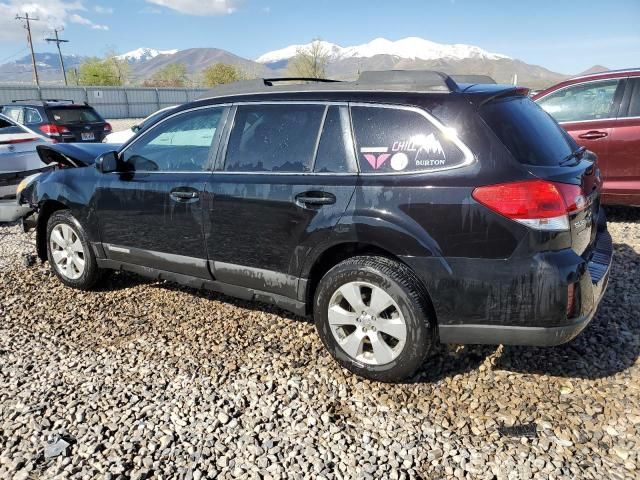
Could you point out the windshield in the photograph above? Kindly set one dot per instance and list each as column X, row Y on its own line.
column 530, row 134
column 74, row 115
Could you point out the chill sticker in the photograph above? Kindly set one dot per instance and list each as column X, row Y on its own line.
column 418, row 152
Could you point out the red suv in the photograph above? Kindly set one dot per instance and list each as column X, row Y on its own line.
column 602, row 113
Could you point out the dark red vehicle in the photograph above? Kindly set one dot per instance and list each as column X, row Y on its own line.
column 601, row 111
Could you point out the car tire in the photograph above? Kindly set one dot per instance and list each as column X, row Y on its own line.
column 360, row 307
column 70, row 255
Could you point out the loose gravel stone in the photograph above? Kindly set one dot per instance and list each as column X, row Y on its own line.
column 153, row 380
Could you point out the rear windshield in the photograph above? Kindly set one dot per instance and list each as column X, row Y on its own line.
column 529, row 133
column 74, row 115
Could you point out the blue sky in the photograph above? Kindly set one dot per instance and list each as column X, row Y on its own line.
column 566, row 36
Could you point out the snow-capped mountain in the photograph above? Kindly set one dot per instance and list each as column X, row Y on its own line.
column 410, row 48
column 143, row 54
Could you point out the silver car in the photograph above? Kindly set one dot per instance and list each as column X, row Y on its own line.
column 18, row 160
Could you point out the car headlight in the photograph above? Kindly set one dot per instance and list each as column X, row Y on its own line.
column 25, row 183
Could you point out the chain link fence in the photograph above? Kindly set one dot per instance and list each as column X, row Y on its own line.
column 110, row 102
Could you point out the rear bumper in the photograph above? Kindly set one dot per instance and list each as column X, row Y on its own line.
column 519, row 301
column 596, row 276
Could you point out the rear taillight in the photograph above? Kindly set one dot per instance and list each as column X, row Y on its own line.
column 537, row 204
column 107, row 127
column 53, row 129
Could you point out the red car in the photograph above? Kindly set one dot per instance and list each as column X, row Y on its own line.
column 601, row 112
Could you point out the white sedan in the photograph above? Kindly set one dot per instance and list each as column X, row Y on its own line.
column 123, row 136
column 18, row 160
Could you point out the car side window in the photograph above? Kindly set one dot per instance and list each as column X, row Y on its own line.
column 586, row 101
column 335, row 150
column 14, row 113
column 634, row 101
column 180, row 143
column 31, row 116
column 394, row 140
column 274, row 138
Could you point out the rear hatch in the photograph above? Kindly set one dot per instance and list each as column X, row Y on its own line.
column 81, row 122
column 548, row 152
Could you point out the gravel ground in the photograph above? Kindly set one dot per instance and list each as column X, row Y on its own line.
column 147, row 379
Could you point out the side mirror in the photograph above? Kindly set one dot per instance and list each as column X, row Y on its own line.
column 135, row 128
column 107, row 162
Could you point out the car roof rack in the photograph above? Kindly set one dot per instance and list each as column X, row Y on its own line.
column 473, row 79
column 416, row 81
column 44, row 101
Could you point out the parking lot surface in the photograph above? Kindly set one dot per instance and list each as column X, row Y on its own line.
column 145, row 379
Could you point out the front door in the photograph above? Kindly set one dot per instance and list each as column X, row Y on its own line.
column 588, row 112
column 280, row 189
column 150, row 212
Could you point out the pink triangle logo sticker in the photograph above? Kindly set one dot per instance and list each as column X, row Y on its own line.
column 376, row 156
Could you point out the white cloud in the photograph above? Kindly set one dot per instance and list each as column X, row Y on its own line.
column 200, row 7
column 103, row 10
column 80, row 20
column 50, row 14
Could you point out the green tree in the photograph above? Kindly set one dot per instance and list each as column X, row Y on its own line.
column 108, row 71
column 311, row 62
column 173, row 75
column 221, row 73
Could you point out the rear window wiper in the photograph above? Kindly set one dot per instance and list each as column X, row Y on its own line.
column 575, row 155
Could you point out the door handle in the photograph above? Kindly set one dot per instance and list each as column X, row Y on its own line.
column 181, row 195
column 593, row 135
column 315, row 199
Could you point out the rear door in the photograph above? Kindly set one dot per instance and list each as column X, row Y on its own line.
column 150, row 213
column 623, row 175
column 588, row 112
column 283, row 181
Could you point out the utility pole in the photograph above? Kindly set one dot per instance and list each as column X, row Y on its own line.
column 30, row 40
column 58, row 41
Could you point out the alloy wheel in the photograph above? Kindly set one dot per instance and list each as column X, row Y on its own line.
column 67, row 251
column 367, row 323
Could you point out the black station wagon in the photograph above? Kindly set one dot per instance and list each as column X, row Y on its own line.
column 399, row 210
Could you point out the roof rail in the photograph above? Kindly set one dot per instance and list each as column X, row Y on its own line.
column 389, row 80
column 473, row 79
column 43, row 100
column 271, row 81
column 423, row 79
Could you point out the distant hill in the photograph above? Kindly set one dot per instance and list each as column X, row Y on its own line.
column 344, row 62
column 196, row 60
column 48, row 64
column 594, row 69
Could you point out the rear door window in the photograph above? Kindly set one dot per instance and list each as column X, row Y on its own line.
column 74, row 115
column 335, row 150
column 31, row 116
column 530, row 134
column 395, row 140
column 634, row 100
column 585, row 101
column 274, row 138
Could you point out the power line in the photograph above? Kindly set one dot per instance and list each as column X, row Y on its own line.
column 30, row 40
column 58, row 41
